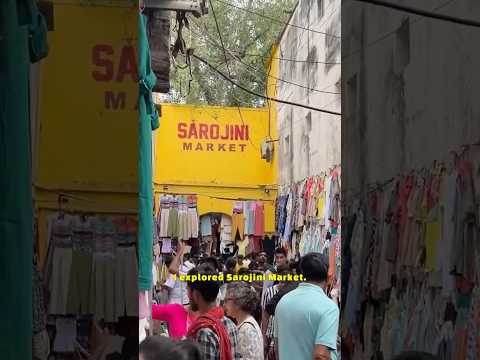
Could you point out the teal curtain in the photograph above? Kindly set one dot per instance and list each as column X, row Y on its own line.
column 22, row 41
column 148, row 122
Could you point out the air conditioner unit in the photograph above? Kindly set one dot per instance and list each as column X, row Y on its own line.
column 196, row 7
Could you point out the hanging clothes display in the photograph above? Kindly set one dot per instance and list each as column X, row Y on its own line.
column 413, row 269
column 177, row 218
column 248, row 226
column 226, row 234
column 238, row 225
column 259, row 221
column 249, row 218
column 206, row 225
column 307, row 216
column 91, row 273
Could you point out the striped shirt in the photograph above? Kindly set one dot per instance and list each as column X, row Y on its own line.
column 267, row 296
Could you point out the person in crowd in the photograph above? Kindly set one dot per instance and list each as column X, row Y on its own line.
column 160, row 347
column 212, row 330
column 262, row 261
column 250, row 260
column 258, row 285
column 178, row 318
column 177, row 268
column 257, row 312
column 244, row 271
column 306, row 319
column 280, row 257
column 213, row 263
column 280, row 260
column 267, row 318
column 230, row 264
column 221, row 263
column 271, row 305
column 240, row 303
column 241, row 263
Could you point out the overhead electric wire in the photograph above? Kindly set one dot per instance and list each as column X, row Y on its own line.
column 291, row 60
column 220, row 36
column 275, row 20
column 420, row 12
column 270, row 76
column 228, row 67
column 260, row 95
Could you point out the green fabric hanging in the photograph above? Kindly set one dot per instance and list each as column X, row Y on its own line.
column 148, row 122
column 21, row 31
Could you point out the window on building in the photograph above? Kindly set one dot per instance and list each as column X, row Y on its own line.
column 320, row 8
column 402, row 46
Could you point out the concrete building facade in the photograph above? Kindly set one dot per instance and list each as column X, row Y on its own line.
column 309, row 73
column 410, row 87
column 409, row 102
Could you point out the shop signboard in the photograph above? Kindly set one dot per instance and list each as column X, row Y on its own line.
column 87, row 138
column 213, row 146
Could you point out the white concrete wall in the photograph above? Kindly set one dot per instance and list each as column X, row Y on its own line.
column 313, row 145
column 416, row 93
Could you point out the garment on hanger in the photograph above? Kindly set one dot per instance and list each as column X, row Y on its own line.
column 238, row 226
column 226, row 229
column 206, row 225
column 259, row 219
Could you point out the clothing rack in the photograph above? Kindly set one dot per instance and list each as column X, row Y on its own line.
column 321, row 174
column 442, row 281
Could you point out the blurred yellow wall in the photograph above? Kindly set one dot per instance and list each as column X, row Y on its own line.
column 87, row 132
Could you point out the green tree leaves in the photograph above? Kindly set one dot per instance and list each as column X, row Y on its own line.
column 247, row 38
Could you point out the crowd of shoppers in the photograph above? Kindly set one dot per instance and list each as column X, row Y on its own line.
column 230, row 320
column 233, row 320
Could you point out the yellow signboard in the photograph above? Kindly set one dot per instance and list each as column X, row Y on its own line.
column 88, row 100
column 215, row 153
column 213, row 146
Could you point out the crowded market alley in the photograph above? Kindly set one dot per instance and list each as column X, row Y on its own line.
column 240, row 180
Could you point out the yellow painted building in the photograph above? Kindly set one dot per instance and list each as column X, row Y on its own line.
column 86, row 130
column 215, row 153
